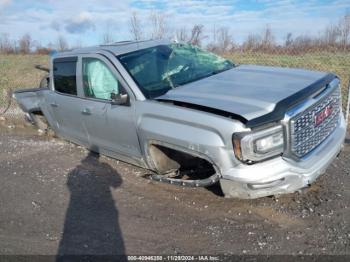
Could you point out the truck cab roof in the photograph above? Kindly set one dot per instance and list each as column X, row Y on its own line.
column 117, row 48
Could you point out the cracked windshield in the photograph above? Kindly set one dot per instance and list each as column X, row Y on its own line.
column 158, row 69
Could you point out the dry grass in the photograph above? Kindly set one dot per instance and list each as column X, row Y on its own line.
column 17, row 71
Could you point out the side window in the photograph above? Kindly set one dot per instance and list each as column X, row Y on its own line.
column 64, row 75
column 98, row 80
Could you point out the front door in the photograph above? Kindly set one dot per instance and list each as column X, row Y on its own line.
column 110, row 127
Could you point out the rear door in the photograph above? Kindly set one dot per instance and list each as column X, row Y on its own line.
column 65, row 101
column 110, row 127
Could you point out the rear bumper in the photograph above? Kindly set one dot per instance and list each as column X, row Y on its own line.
column 282, row 175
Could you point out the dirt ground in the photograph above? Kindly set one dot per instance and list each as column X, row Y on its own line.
column 55, row 197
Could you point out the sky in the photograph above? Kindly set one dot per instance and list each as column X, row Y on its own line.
column 85, row 22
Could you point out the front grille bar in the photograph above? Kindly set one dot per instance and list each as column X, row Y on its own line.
column 304, row 135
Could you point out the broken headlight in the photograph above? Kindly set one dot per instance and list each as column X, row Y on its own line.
column 259, row 145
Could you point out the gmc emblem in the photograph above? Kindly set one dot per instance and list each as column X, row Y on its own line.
column 323, row 114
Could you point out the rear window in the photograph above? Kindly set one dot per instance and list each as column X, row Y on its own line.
column 64, row 75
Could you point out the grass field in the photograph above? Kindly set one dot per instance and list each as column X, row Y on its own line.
column 17, row 71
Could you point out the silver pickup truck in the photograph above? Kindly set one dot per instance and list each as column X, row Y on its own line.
column 193, row 118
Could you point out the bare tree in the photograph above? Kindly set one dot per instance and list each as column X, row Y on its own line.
column 159, row 26
column 25, row 43
column 304, row 42
column 181, row 34
column 268, row 39
column 214, row 34
column 6, row 45
column 224, row 39
column 330, row 35
column 252, row 42
column 197, row 35
column 344, row 30
column 289, row 40
column 62, row 43
column 212, row 46
column 135, row 27
column 107, row 37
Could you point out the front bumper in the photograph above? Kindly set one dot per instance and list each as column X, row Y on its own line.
column 282, row 175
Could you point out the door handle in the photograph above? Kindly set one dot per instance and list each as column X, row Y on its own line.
column 53, row 104
column 86, row 111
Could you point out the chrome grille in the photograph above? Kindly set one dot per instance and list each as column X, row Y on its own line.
column 305, row 135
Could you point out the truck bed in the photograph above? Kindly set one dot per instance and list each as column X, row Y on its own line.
column 28, row 98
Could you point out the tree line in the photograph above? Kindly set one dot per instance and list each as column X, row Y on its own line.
column 26, row 45
column 220, row 39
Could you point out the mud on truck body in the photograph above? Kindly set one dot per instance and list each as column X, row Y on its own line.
column 193, row 118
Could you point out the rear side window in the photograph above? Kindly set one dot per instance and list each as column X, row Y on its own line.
column 64, row 75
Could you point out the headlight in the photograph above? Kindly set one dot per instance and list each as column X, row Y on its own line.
column 259, row 145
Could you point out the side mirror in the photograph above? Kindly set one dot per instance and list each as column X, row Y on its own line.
column 119, row 99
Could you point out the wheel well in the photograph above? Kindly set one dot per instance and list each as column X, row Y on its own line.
column 39, row 120
column 166, row 160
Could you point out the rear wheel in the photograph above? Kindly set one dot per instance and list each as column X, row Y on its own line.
column 40, row 122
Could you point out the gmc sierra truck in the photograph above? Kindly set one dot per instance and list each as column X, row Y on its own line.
column 193, row 118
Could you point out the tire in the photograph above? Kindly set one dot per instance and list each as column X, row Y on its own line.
column 39, row 121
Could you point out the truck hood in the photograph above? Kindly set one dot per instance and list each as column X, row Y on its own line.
column 251, row 91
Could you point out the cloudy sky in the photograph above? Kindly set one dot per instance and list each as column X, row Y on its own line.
column 86, row 21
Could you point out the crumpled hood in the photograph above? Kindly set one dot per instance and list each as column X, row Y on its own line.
column 248, row 90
